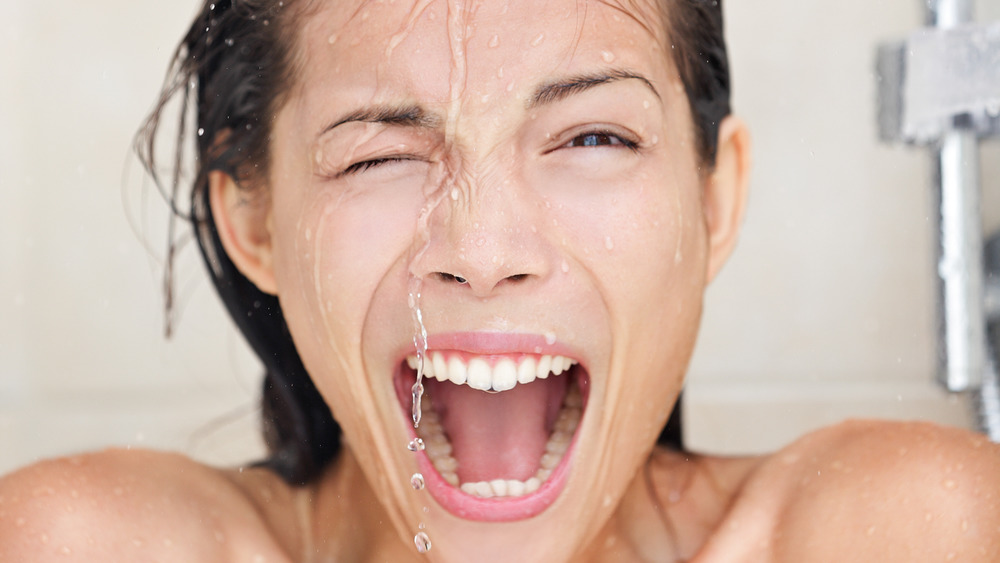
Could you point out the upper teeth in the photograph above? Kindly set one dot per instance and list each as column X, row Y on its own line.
column 479, row 374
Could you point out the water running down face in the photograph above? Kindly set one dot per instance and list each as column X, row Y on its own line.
column 533, row 165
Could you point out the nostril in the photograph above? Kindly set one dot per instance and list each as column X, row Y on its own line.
column 517, row 277
column 451, row 277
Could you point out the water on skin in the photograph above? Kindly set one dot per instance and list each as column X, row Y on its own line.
column 458, row 34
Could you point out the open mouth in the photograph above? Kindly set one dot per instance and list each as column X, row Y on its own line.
column 498, row 429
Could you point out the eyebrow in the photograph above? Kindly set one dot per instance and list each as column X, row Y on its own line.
column 416, row 116
column 556, row 91
column 403, row 116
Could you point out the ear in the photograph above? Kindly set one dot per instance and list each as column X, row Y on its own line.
column 244, row 225
column 725, row 197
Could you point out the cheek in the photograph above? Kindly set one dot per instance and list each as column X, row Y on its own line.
column 332, row 253
column 643, row 239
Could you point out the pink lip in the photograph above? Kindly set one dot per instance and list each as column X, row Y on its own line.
column 494, row 343
column 493, row 509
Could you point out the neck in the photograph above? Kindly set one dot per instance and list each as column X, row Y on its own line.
column 349, row 523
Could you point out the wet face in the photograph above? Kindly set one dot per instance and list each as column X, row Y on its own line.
column 525, row 175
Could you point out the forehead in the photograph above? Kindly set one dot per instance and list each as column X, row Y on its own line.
column 441, row 51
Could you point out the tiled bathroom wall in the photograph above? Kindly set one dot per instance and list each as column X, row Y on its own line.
column 824, row 312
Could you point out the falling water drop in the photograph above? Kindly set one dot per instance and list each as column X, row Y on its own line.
column 420, row 343
column 417, row 481
column 416, row 445
column 201, row 131
column 422, row 542
column 418, row 391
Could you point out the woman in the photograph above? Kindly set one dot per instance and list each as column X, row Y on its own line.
column 496, row 219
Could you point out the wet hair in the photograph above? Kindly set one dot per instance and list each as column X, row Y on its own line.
column 695, row 30
column 231, row 74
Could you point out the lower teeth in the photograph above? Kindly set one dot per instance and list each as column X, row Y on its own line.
column 439, row 450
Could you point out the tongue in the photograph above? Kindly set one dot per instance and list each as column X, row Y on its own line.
column 498, row 435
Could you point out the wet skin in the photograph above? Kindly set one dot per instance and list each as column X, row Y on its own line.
column 511, row 204
column 431, row 144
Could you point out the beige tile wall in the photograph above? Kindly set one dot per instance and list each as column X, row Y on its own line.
column 825, row 311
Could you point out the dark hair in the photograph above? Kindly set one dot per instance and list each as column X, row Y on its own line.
column 698, row 40
column 232, row 71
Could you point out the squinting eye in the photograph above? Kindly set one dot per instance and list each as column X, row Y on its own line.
column 364, row 165
column 600, row 139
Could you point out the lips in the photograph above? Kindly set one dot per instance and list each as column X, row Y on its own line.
column 499, row 425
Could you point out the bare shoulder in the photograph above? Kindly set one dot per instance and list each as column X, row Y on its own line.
column 871, row 491
column 140, row 505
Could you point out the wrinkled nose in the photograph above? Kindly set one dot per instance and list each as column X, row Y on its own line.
column 484, row 240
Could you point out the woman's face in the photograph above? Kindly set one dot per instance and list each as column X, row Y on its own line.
column 529, row 169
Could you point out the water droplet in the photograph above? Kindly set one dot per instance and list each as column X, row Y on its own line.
column 415, row 445
column 550, row 338
column 645, row 104
column 201, row 131
column 494, row 41
column 607, row 56
column 993, row 109
column 417, row 481
column 332, row 38
column 230, row 42
column 418, row 391
column 454, row 194
column 422, row 542
column 510, row 87
column 309, row 234
column 538, row 40
column 43, row 492
column 609, row 243
column 420, row 343
column 565, row 267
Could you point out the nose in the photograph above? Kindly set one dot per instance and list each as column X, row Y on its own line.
column 483, row 239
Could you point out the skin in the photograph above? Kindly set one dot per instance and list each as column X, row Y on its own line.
column 490, row 187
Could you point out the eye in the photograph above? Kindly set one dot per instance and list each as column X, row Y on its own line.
column 601, row 139
column 359, row 167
